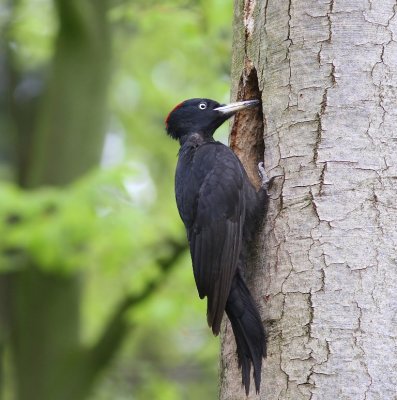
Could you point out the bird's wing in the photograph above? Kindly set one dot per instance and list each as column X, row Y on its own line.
column 215, row 234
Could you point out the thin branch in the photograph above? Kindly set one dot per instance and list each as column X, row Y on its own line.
column 117, row 327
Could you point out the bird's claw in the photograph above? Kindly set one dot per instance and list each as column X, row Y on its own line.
column 262, row 174
column 266, row 181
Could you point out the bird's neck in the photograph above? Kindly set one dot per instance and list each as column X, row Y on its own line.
column 195, row 139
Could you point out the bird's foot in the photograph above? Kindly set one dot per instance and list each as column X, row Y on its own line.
column 266, row 181
column 262, row 174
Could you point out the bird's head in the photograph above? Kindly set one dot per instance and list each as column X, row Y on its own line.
column 201, row 116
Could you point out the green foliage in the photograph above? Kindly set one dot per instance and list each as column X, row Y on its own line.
column 93, row 222
column 31, row 32
column 111, row 227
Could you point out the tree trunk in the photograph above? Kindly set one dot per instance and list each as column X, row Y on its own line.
column 325, row 274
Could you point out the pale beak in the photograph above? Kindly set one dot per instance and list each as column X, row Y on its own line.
column 232, row 108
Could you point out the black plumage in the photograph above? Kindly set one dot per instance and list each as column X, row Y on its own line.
column 221, row 210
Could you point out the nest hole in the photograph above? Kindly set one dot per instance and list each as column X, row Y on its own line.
column 246, row 136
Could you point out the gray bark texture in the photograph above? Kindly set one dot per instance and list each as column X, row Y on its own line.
column 324, row 272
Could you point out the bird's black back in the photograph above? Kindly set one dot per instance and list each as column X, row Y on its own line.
column 210, row 196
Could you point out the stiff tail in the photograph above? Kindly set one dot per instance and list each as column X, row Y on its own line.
column 248, row 331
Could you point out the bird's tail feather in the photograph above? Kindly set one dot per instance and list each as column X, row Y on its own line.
column 248, row 331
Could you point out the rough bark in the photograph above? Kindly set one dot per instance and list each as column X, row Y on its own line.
column 325, row 273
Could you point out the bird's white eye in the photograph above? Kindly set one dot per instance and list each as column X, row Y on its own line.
column 202, row 106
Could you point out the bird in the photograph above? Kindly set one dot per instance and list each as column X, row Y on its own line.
column 221, row 211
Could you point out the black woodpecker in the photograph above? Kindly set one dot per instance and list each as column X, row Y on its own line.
column 221, row 211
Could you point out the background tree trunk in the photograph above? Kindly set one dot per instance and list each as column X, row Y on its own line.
column 325, row 274
column 40, row 311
